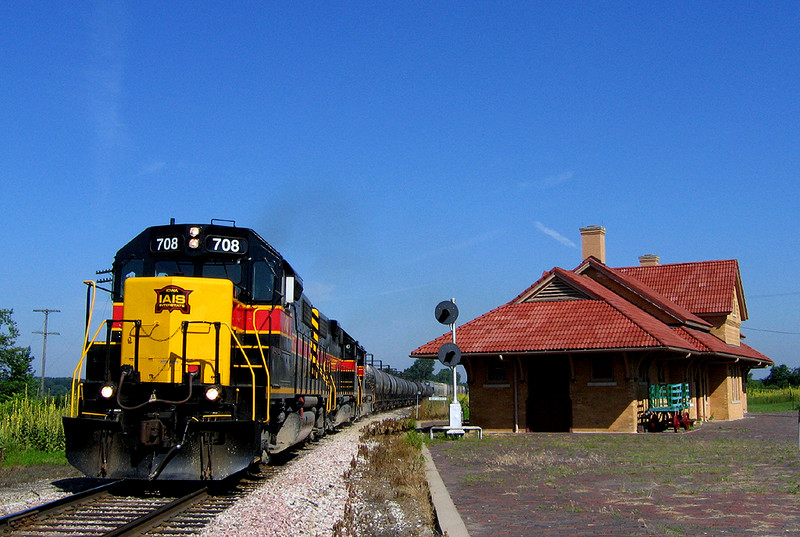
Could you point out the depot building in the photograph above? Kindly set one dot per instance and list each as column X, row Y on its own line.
column 581, row 350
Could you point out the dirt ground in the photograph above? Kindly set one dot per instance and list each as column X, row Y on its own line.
column 739, row 478
column 23, row 487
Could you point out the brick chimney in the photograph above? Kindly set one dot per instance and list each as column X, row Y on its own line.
column 649, row 260
column 593, row 242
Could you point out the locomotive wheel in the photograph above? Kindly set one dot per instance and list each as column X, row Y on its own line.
column 265, row 438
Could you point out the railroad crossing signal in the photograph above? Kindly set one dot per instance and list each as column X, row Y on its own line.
column 450, row 354
column 446, row 312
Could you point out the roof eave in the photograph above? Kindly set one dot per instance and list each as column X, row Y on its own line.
column 563, row 351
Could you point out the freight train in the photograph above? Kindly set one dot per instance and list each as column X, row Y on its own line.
column 213, row 359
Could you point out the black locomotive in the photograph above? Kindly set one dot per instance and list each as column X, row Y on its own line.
column 214, row 358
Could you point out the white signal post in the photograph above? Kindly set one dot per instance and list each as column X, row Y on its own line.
column 455, row 406
column 450, row 355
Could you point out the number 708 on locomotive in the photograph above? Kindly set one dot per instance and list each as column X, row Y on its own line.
column 213, row 359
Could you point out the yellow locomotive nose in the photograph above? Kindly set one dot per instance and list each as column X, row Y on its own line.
column 180, row 320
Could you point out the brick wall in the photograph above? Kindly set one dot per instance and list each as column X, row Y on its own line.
column 722, row 404
column 605, row 406
column 491, row 404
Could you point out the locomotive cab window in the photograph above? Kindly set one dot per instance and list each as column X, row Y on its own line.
column 132, row 268
column 263, row 282
column 174, row 268
column 225, row 271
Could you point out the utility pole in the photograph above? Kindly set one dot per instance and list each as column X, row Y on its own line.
column 45, row 333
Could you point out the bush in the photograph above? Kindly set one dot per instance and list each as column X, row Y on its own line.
column 30, row 423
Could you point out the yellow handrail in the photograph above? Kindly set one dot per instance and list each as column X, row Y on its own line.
column 86, row 345
column 331, row 385
column 263, row 359
column 73, row 407
column 249, row 366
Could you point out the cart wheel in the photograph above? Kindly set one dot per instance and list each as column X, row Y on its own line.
column 676, row 421
column 652, row 423
column 685, row 421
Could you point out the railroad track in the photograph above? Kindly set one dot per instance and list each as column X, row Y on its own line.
column 123, row 509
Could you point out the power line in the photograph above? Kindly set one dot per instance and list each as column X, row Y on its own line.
column 771, row 331
column 778, row 294
column 45, row 333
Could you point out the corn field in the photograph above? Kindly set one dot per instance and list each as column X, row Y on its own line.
column 31, row 423
column 771, row 396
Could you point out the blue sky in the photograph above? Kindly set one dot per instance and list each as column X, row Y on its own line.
column 401, row 153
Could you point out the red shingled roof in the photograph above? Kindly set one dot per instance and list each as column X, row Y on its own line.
column 645, row 292
column 704, row 288
column 601, row 320
column 547, row 326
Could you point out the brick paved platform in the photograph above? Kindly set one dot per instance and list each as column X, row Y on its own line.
column 739, row 478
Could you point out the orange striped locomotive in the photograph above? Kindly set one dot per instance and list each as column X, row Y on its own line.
column 214, row 358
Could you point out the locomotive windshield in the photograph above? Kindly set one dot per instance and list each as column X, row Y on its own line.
column 174, row 268
column 234, row 254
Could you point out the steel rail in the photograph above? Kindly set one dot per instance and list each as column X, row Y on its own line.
column 111, row 511
column 9, row 523
column 154, row 518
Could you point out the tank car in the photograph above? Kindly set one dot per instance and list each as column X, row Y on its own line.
column 386, row 391
column 213, row 358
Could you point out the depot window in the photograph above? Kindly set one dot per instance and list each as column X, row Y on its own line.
column 497, row 372
column 602, row 369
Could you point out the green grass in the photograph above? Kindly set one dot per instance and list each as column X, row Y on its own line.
column 773, row 399
column 771, row 407
column 33, row 457
column 31, row 432
column 688, row 463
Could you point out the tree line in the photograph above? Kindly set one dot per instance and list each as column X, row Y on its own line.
column 16, row 371
column 781, row 376
column 422, row 369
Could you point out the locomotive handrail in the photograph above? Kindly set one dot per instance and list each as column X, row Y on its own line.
column 88, row 345
column 249, row 366
column 92, row 286
column 73, row 407
column 331, row 385
column 238, row 345
column 263, row 360
column 185, row 341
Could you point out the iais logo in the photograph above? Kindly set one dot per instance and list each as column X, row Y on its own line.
column 171, row 298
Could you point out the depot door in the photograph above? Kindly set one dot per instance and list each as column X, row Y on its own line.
column 549, row 407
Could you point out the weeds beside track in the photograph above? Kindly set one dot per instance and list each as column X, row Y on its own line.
column 387, row 490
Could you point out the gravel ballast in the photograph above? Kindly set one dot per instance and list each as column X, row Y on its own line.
column 305, row 498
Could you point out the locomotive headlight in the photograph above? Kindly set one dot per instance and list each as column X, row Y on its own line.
column 194, row 231
column 213, row 393
column 107, row 391
column 194, row 243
